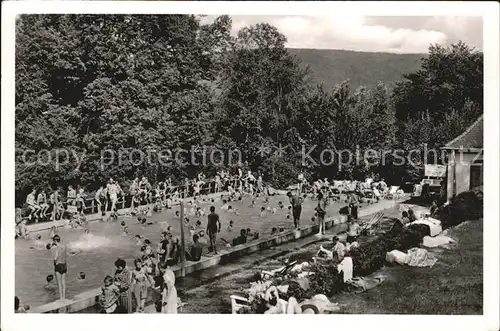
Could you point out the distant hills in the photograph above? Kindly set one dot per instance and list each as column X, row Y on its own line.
column 331, row 67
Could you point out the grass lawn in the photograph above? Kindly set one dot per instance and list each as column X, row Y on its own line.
column 454, row 285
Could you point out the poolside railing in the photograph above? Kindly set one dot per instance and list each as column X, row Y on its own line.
column 92, row 207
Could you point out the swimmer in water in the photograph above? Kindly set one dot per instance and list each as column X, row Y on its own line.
column 177, row 213
column 313, row 220
column 37, row 243
column 262, row 211
column 253, row 203
column 50, row 286
column 230, row 209
column 113, row 216
column 230, row 226
column 274, row 231
column 81, row 276
column 125, row 231
column 139, row 240
column 280, row 204
column 144, row 222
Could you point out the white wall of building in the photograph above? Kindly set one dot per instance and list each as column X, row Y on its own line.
column 459, row 166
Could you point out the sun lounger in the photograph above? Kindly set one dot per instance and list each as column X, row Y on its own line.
column 238, row 302
column 279, row 272
column 374, row 221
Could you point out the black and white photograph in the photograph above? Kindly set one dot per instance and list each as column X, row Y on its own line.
column 201, row 162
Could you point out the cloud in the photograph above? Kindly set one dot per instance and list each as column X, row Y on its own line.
column 370, row 34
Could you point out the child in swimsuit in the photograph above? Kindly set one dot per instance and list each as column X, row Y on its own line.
column 140, row 282
column 42, row 202
column 50, row 286
column 230, row 226
column 109, row 296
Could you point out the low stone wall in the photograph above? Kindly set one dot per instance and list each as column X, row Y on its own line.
column 89, row 299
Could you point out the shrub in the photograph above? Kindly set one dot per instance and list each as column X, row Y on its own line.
column 326, row 278
column 368, row 257
column 409, row 237
column 296, row 291
column 465, row 206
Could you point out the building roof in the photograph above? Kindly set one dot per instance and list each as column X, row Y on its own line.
column 472, row 138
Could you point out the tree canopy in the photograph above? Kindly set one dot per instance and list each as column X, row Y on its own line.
column 89, row 83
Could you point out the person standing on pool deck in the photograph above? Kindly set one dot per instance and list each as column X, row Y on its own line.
column 301, row 183
column 296, row 202
column 213, row 227
column 321, row 212
column 60, row 266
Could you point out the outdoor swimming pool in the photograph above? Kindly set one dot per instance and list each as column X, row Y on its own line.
column 97, row 256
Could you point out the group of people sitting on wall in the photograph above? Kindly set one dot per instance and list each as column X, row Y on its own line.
column 44, row 204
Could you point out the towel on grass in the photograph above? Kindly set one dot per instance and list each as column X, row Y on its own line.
column 419, row 257
column 437, row 241
column 363, row 284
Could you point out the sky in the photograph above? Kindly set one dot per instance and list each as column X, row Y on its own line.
column 393, row 34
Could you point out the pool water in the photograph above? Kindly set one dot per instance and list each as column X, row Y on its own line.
column 97, row 253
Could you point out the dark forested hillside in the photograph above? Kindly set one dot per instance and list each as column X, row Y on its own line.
column 333, row 66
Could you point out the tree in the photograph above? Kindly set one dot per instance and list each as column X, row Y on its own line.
column 88, row 83
column 262, row 87
column 449, row 77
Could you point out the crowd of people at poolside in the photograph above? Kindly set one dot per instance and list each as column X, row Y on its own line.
column 151, row 269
